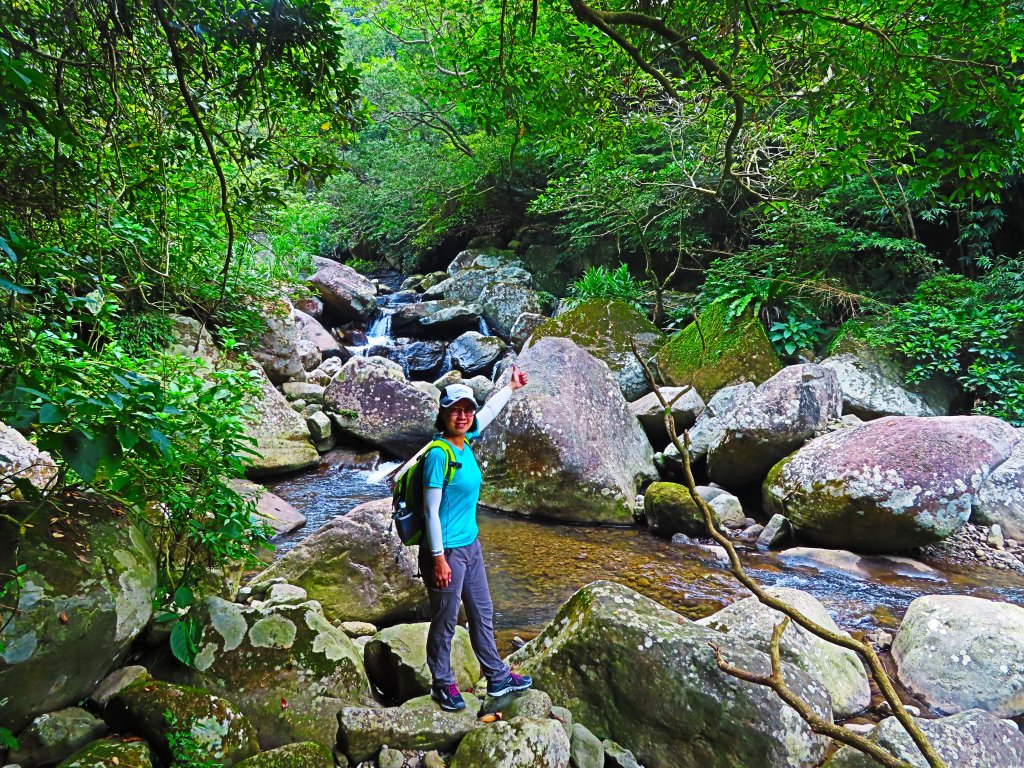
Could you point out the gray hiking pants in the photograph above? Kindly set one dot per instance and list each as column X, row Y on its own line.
column 468, row 586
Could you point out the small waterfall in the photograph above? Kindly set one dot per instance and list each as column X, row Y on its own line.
column 379, row 332
column 484, row 330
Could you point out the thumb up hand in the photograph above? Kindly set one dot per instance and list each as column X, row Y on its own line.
column 518, row 379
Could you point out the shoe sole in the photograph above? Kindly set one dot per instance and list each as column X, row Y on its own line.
column 509, row 689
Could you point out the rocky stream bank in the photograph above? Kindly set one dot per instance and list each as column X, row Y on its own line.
column 832, row 467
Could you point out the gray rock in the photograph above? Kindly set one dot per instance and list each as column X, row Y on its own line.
column 481, row 386
column 783, row 413
column 436, row 318
column 617, row 756
column 355, row 568
column 727, row 508
column 503, row 302
column 650, row 413
column 866, row 568
column 282, row 439
column 88, row 587
column 973, row 739
column 278, row 651
column 372, row 400
column 670, row 510
column 309, row 305
column 194, row 341
column 21, row 461
column 585, row 749
column 347, row 294
column 285, row 594
column 539, row 458
column 303, row 390
column 483, row 259
column 1000, row 499
column 116, row 681
column 710, row 425
column 628, row 638
column 421, row 358
column 778, row 531
column 520, row 743
column 396, row 661
column 305, row 754
column 56, row 735
column 417, row 724
column 277, row 349
column 468, row 285
column 532, row 704
column 995, row 537
column 105, row 753
column 270, row 508
column 961, row 653
column 523, row 328
column 838, row 669
column 475, row 354
column 892, row 484
column 319, row 426
column 874, row 384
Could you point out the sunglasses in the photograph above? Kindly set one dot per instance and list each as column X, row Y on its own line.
column 466, row 410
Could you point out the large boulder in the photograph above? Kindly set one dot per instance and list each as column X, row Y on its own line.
column 607, row 330
column 712, row 352
column 566, row 446
column 396, row 661
column 422, row 359
column 418, row 724
column 959, row 653
column 54, row 736
column 371, row 399
column 344, row 292
column 22, row 463
column 784, row 413
column 468, row 285
column 475, row 354
column 504, row 301
column 973, row 739
column 687, row 406
column 355, row 568
column 710, row 425
column 891, row 484
column 607, row 640
column 282, row 664
column 839, row 669
column 519, row 743
column 282, row 439
column 316, row 334
column 445, row 317
column 88, row 587
column 191, row 339
column 483, row 258
column 1000, row 500
column 156, row 710
column 874, row 384
column 277, row 349
column 305, row 754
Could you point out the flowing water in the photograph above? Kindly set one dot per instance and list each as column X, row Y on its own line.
column 535, row 566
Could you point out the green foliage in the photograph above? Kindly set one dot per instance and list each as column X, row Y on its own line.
column 141, row 334
column 363, row 266
column 793, row 333
column 767, row 289
column 187, row 751
column 964, row 329
column 602, row 283
column 7, row 740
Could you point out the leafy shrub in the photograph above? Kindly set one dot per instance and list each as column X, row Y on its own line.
column 961, row 328
column 794, row 333
column 187, row 750
column 602, row 283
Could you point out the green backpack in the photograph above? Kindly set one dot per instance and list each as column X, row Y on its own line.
column 409, row 515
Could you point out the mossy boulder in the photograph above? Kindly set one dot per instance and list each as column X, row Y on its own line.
column 281, row 435
column 88, row 591
column 891, row 484
column 306, row 754
column 713, row 353
column 111, row 754
column 840, row 670
column 283, row 665
column 520, row 743
column 52, row 737
column 356, row 569
column 418, row 724
column 669, row 510
column 396, row 661
column 566, row 446
column 607, row 329
column 645, row 676
column 219, row 730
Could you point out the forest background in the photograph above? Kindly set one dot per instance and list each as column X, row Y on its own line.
column 818, row 162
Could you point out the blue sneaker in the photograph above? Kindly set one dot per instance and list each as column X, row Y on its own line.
column 448, row 697
column 509, row 683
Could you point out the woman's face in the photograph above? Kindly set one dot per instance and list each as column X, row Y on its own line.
column 458, row 418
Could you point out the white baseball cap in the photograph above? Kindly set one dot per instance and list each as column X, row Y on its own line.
column 455, row 392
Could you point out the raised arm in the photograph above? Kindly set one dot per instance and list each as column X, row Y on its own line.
column 500, row 399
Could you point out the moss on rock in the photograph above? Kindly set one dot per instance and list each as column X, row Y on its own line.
column 712, row 353
column 304, row 755
column 111, row 754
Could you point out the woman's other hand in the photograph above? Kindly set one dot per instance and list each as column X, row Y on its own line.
column 518, row 378
column 442, row 573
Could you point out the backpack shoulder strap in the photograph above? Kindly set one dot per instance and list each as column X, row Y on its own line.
column 450, row 464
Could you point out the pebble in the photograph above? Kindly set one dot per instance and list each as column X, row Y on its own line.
column 862, row 729
column 995, row 537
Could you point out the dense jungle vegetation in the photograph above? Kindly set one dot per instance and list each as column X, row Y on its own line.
column 818, row 161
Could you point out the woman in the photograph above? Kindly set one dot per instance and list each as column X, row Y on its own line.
column 451, row 560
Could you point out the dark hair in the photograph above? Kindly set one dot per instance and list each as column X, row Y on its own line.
column 439, row 421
